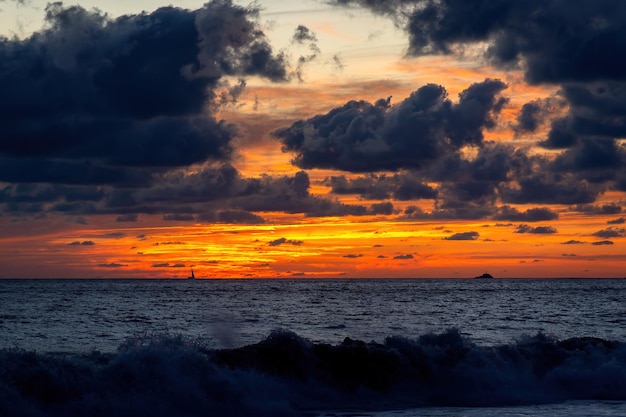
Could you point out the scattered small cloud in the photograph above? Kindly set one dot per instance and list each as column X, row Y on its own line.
column 620, row 220
column 463, row 236
column 113, row 235
column 353, row 256
column 610, row 232
column 539, row 230
column 573, row 242
column 602, row 243
column 284, row 241
column 407, row 256
column 161, row 265
column 83, row 243
column 111, row 265
column 568, row 254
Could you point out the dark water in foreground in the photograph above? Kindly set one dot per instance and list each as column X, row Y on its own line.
column 319, row 348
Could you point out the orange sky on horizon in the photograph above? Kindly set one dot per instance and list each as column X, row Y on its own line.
column 371, row 51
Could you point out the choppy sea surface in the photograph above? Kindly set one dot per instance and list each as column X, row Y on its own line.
column 332, row 347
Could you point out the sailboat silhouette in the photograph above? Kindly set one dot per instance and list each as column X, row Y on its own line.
column 193, row 276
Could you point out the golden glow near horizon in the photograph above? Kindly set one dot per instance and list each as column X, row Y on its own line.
column 362, row 58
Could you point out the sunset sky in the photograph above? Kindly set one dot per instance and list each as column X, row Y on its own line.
column 340, row 138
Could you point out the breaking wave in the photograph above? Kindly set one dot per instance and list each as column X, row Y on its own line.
column 287, row 375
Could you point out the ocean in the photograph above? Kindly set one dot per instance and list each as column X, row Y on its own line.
column 303, row 347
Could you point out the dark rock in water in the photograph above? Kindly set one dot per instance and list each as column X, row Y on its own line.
column 485, row 275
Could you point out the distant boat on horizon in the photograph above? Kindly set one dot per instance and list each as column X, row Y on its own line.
column 484, row 276
column 193, row 276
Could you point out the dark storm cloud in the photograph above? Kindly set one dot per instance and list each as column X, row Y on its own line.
column 95, row 100
column 556, row 40
column 402, row 187
column 596, row 160
column 381, row 208
column 610, row 232
column 539, row 230
column 534, row 114
column 126, row 218
column 596, row 110
column 572, row 45
column 463, row 236
column 178, row 217
column 211, row 194
column 549, row 188
column 237, row 216
column 291, row 195
column 467, row 211
column 530, row 215
column 612, row 208
column 361, row 137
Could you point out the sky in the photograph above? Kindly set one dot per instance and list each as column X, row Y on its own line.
column 338, row 138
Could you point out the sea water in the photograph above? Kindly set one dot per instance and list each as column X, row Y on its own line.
column 332, row 347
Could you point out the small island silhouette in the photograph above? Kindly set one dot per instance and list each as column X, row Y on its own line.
column 485, row 275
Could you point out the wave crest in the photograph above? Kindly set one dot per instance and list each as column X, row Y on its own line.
column 285, row 374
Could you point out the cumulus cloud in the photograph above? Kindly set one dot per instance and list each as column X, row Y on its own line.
column 92, row 101
column 363, row 137
column 552, row 43
column 620, row 220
